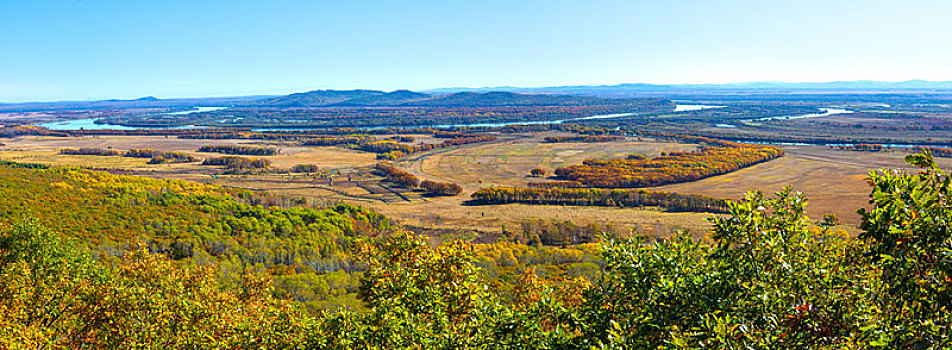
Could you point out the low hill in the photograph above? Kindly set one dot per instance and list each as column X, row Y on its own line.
column 500, row 98
column 316, row 98
column 406, row 98
column 393, row 98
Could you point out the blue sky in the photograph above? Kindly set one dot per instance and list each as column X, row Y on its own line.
column 96, row 49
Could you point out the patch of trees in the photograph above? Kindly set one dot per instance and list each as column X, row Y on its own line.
column 441, row 188
column 674, row 167
column 862, row 147
column 936, row 151
column 238, row 163
column 19, row 165
column 397, row 176
column 336, row 140
column 537, row 172
column 157, row 157
column 240, row 150
column 305, row 168
column 582, row 138
column 626, row 198
column 390, row 150
column 556, row 184
column 443, row 134
column 90, row 152
column 404, row 139
column 409, row 180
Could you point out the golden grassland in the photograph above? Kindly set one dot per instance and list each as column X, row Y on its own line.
column 832, row 179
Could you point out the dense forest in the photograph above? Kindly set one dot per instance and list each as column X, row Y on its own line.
column 640, row 171
column 630, row 198
column 766, row 278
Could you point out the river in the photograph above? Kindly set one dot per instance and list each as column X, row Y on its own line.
column 90, row 124
column 826, row 112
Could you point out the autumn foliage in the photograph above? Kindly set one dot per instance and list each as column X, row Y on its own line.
column 240, row 150
column 631, row 198
column 582, row 138
column 441, row 188
column 675, row 167
column 238, row 163
column 397, row 176
column 935, row 151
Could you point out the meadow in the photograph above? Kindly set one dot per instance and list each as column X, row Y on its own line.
column 832, row 178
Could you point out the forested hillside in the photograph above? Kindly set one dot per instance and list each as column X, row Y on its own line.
column 765, row 278
column 309, row 249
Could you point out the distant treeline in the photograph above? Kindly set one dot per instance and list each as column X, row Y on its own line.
column 938, row 152
column 331, row 117
column 90, row 152
column 240, row 150
column 157, row 157
column 862, row 147
column 305, row 168
column 390, row 150
column 236, row 163
column 336, row 140
column 23, row 165
column 558, row 233
column 406, row 179
column 674, row 167
column 633, row 198
column 582, row 138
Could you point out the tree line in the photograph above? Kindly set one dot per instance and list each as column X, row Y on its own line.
column 156, row 157
column 582, row 138
column 409, row 180
column 390, row 150
column 236, row 163
column 628, row 198
column 240, row 150
column 397, row 176
column 674, row 167
column 862, row 147
column 935, row 151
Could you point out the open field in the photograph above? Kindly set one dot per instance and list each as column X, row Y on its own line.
column 508, row 162
column 832, row 179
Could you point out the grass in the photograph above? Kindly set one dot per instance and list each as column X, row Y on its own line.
column 832, row 179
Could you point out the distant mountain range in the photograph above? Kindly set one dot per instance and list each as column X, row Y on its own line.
column 507, row 95
column 144, row 102
column 406, row 98
column 767, row 87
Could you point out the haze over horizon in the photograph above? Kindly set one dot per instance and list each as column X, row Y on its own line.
column 105, row 49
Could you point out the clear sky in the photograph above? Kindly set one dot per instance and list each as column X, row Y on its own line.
column 96, row 49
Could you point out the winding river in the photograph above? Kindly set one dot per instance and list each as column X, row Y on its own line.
column 90, row 124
